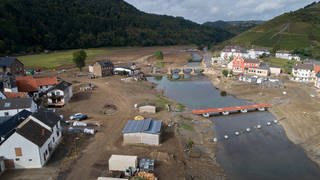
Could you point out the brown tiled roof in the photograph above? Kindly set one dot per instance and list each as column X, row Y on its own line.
column 26, row 84
column 16, row 94
column 46, row 81
column 34, row 132
column 31, row 84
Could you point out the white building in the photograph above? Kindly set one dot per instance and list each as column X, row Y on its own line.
column 303, row 73
column 31, row 143
column 10, row 107
column 256, row 53
column 142, row 132
column 275, row 71
column 287, row 55
column 60, row 94
column 229, row 52
column 122, row 162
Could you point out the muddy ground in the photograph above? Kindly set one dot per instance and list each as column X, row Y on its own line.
column 111, row 105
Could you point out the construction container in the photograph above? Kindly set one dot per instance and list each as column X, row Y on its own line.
column 122, row 162
column 147, row 109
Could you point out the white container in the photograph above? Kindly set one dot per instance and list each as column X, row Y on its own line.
column 122, row 162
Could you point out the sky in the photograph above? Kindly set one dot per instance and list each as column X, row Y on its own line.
column 201, row 11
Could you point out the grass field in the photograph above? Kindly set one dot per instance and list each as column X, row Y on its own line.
column 277, row 62
column 55, row 59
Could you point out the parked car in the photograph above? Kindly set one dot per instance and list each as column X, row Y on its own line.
column 78, row 116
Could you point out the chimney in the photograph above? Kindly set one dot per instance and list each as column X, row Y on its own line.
column 42, row 132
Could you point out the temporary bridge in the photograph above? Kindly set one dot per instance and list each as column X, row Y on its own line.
column 228, row 110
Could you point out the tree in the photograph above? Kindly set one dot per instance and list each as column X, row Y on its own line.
column 79, row 58
column 225, row 72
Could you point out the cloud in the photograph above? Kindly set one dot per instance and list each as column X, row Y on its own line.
column 211, row 10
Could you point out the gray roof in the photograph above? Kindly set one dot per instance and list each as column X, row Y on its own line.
column 304, row 66
column 236, row 48
column 146, row 126
column 61, row 86
column 34, row 132
column 264, row 66
column 47, row 117
column 105, row 63
column 7, row 127
column 251, row 61
column 7, row 61
column 15, row 103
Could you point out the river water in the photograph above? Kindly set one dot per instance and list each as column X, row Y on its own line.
column 264, row 153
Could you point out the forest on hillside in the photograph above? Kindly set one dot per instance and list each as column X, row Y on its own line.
column 31, row 26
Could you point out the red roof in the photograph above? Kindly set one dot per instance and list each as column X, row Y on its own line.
column 16, row 94
column 31, row 84
column 46, row 81
column 316, row 68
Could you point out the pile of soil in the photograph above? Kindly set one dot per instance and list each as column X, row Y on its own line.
column 109, row 109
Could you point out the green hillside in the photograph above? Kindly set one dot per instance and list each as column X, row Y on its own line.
column 31, row 26
column 234, row 27
column 299, row 30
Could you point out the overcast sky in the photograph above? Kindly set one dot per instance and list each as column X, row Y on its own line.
column 212, row 10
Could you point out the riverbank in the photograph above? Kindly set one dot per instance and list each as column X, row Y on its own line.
column 297, row 108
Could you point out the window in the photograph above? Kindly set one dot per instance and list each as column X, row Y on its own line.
column 58, row 133
column 17, row 159
column 46, row 152
column 6, row 113
column 53, row 139
column 30, row 159
column 18, row 151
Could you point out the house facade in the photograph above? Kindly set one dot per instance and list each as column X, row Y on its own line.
column 260, row 71
column 275, row 71
column 11, row 65
column 102, row 68
column 32, row 142
column 8, row 83
column 10, row 107
column 230, row 52
column 60, row 94
column 287, row 55
column 303, row 73
column 241, row 65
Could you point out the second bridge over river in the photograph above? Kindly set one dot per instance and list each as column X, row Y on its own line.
column 232, row 109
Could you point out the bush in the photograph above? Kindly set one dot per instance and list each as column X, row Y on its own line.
column 223, row 93
column 225, row 72
column 159, row 55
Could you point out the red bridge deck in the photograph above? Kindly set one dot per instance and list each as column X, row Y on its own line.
column 229, row 109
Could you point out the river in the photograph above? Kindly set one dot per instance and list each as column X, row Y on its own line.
column 264, row 153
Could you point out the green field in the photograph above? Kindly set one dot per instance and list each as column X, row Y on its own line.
column 284, row 64
column 59, row 58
